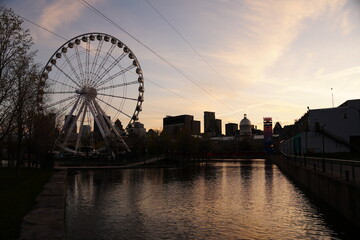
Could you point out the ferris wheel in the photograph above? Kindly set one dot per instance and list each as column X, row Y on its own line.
column 93, row 84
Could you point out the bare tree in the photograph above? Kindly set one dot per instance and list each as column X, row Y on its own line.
column 18, row 78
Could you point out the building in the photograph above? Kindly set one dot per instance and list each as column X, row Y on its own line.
column 209, row 118
column 277, row 128
column 245, row 127
column 230, row 129
column 218, row 127
column 212, row 126
column 104, row 124
column 182, row 123
column 85, row 131
column 327, row 130
column 71, row 121
column 85, row 135
column 138, row 129
column 195, row 127
column 268, row 134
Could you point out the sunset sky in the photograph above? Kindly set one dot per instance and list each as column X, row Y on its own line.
column 263, row 58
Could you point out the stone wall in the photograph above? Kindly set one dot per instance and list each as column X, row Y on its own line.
column 341, row 196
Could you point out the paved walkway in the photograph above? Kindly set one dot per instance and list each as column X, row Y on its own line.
column 46, row 220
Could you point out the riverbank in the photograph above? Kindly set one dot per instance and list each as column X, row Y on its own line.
column 18, row 191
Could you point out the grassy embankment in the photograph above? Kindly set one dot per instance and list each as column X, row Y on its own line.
column 17, row 196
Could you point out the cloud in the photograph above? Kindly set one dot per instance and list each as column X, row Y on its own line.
column 344, row 23
column 61, row 12
column 270, row 28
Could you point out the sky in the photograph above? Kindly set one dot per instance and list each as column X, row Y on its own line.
column 269, row 58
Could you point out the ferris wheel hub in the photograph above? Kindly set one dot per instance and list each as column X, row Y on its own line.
column 88, row 92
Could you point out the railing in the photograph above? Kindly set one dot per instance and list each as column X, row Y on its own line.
column 345, row 169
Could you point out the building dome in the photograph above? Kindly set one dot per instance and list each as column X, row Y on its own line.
column 245, row 126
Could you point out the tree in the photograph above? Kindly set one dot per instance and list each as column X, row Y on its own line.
column 18, row 78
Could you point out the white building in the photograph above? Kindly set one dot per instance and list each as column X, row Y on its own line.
column 327, row 130
column 245, row 127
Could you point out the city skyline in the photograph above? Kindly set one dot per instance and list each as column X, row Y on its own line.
column 260, row 58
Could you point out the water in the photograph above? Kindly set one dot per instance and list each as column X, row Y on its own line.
column 237, row 200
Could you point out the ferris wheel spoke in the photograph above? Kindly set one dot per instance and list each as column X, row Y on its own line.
column 118, row 110
column 67, row 75
column 61, row 101
column 67, row 121
column 70, row 130
column 97, row 121
column 112, row 65
column 101, row 66
column 111, row 95
column 111, row 125
column 87, row 61
column 78, row 59
column 66, row 106
column 64, row 92
column 64, row 84
column 72, row 67
column 118, row 85
column 78, row 140
column 115, row 75
column 94, row 63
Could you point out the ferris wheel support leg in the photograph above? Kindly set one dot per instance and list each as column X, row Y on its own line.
column 98, row 124
column 112, row 126
column 73, row 125
column 66, row 122
column 70, row 114
column 81, row 129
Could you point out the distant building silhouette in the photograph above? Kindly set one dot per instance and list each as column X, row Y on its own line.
column 245, row 127
column 209, row 118
column 277, row 128
column 212, row 126
column 174, row 124
column 195, row 127
column 268, row 134
column 218, row 127
column 104, row 124
column 230, row 129
column 138, row 129
column 72, row 119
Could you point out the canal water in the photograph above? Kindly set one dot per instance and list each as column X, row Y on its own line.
column 250, row 199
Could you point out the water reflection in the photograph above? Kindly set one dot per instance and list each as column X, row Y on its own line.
column 234, row 200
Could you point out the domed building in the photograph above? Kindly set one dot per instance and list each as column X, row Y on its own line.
column 245, row 127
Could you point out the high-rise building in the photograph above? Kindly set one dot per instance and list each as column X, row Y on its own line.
column 85, row 132
column 209, row 122
column 195, row 127
column 267, row 133
column 218, row 127
column 230, row 129
column 186, row 123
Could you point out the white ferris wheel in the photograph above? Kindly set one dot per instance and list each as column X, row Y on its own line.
column 94, row 86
